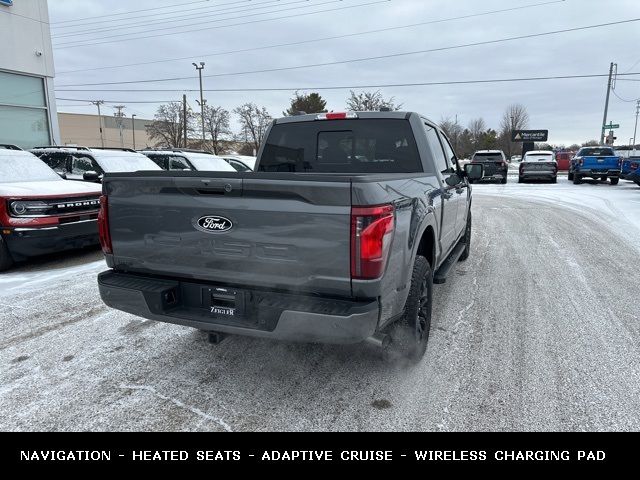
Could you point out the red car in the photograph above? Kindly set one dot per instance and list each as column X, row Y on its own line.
column 39, row 211
column 563, row 159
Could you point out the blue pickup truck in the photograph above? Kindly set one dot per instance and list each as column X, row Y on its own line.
column 630, row 166
column 597, row 163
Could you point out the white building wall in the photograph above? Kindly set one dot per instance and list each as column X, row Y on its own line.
column 25, row 38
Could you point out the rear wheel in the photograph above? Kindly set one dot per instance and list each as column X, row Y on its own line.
column 520, row 180
column 5, row 257
column 570, row 175
column 614, row 181
column 554, row 180
column 504, row 180
column 466, row 240
column 577, row 179
column 603, row 178
column 410, row 334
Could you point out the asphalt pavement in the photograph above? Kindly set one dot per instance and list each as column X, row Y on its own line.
column 538, row 330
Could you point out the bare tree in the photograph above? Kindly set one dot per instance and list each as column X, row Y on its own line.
column 515, row 117
column 217, row 123
column 254, row 121
column 167, row 128
column 453, row 130
column 370, row 102
column 477, row 127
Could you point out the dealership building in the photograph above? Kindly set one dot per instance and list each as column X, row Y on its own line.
column 28, row 115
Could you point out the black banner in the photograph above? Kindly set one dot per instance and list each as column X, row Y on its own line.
column 99, row 452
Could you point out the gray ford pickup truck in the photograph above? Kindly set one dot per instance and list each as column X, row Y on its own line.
column 337, row 237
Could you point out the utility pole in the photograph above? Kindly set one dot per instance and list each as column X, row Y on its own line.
column 133, row 129
column 635, row 130
column 119, row 116
column 184, row 121
column 98, row 103
column 199, row 68
column 606, row 104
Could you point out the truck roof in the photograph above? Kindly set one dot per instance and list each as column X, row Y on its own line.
column 368, row 115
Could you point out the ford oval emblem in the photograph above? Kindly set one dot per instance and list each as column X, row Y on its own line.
column 214, row 224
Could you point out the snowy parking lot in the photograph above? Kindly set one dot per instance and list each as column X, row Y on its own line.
column 538, row 330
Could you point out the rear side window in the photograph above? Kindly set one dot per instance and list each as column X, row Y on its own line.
column 342, row 146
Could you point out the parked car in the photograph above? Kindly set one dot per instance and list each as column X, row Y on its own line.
column 240, row 162
column 538, row 165
column 39, row 211
column 563, row 160
column 597, row 163
column 337, row 238
column 629, row 166
column 90, row 164
column 494, row 162
column 188, row 160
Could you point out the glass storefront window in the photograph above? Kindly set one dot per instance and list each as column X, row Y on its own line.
column 21, row 90
column 24, row 119
column 24, row 127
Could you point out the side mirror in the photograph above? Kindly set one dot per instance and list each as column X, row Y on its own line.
column 91, row 176
column 453, row 180
column 62, row 175
column 474, row 171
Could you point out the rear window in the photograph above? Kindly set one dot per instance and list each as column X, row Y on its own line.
column 596, row 152
column 342, row 146
column 487, row 157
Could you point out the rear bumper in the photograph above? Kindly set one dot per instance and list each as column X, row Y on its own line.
column 538, row 174
column 593, row 172
column 264, row 314
column 29, row 242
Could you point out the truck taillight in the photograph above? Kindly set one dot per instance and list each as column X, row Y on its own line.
column 103, row 225
column 371, row 234
column 337, row 116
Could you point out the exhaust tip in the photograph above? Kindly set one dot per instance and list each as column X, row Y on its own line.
column 380, row 340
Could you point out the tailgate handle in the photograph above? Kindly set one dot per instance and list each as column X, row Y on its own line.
column 215, row 189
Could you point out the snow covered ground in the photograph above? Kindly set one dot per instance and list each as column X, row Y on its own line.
column 537, row 330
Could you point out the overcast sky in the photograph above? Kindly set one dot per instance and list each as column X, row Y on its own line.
column 571, row 109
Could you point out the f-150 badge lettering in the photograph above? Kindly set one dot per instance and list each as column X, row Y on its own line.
column 214, row 224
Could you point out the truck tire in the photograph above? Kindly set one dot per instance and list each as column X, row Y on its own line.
column 504, row 180
column 570, row 175
column 5, row 257
column 410, row 334
column 554, row 180
column 466, row 239
column 614, row 181
column 520, row 180
column 577, row 179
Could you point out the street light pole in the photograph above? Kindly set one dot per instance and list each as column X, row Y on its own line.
column 200, row 68
column 133, row 129
column 635, row 130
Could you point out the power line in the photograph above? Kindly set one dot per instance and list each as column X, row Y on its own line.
column 353, row 60
column 74, row 44
column 128, row 12
column 172, row 20
column 624, row 99
column 147, row 15
column 302, row 42
column 347, row 87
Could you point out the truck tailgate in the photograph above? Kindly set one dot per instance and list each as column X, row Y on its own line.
column 600, row 163
column 237, row 229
